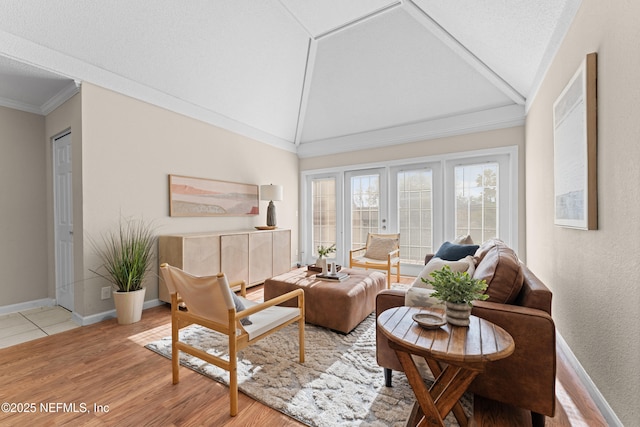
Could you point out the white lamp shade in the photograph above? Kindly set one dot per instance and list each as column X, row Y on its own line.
column 271, row 192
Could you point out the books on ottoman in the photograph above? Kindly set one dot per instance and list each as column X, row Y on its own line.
column 339, row 277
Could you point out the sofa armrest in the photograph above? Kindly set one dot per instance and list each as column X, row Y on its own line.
column 385, row 356
column 389, row 298
column 527, row 377
column 534, row 293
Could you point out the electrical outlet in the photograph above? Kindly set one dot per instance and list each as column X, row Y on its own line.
column 106, row 293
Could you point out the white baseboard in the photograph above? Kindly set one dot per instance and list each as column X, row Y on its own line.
column 14, row 308
column 111, row 314
column 606, row 410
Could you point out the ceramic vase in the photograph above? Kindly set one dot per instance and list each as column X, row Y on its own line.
column 321, row 262
column 457, row 314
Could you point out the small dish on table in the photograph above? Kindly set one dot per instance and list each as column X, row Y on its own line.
column 429, row 320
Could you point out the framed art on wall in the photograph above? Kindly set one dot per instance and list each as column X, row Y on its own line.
column 189, row 196
column 575, row 150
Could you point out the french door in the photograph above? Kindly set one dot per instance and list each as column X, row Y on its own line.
column 367, row 206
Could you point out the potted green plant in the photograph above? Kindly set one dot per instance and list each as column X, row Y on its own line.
column 126, row 255
column 457, row 290
column 323, row 252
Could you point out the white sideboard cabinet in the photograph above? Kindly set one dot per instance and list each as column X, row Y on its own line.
column 252, row 256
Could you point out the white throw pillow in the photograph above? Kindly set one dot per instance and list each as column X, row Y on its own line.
column 463, row 239
column 465, row 264
column 421, row 297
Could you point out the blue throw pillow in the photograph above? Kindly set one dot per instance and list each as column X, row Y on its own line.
column 452, row 252
column 239, row 307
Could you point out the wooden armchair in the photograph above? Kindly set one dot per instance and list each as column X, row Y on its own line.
column 209, row 301
column 382, row 252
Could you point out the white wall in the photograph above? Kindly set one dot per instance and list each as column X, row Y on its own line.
column 128, row 150
column 23, row 220
column 594, row 274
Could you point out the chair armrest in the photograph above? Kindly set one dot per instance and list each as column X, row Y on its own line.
column 242, row 284
column 297, row 293
column 357, row 250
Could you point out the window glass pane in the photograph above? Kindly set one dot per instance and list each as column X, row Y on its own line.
column 476, row 201
column 323, row 193
column 414, row 215
column 365, row 206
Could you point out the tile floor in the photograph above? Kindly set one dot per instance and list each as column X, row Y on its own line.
column 16, row 328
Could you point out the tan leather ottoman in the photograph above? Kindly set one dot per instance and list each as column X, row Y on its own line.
column 340, row 306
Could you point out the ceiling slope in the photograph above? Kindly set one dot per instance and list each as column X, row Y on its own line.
column 310, row 77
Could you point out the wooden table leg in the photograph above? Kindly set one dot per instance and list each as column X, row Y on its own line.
column 443, row 396
column 458, row 410
column 431, row 414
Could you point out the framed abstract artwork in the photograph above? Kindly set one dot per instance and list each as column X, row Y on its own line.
column 189, row 196
column 575, row 150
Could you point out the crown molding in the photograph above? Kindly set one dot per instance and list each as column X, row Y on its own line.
column 59, row 63
column 479, row 121
column 22, row 106
column 61, row 97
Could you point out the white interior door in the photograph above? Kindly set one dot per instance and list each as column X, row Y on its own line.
column 63, row 217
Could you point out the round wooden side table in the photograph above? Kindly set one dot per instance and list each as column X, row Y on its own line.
column 455, row 355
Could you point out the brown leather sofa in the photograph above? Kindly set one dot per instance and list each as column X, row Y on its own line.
column 519, row 303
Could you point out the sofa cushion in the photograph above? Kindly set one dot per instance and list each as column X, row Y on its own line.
column 463, row 239
column 465, row 264
column 499, row 266
column 452, row 252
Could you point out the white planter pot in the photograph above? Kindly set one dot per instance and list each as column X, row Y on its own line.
column 457, row 314
column 322, row 263
column 129, row 306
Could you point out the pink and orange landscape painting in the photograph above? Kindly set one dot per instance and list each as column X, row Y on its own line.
column 190, row 196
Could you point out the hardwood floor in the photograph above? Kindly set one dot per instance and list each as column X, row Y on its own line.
column 57, row 380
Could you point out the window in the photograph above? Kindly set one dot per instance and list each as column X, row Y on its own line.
column 415, row 214
column 323, row 195
column 427, row 200
column 365, row 208
column 476, row 200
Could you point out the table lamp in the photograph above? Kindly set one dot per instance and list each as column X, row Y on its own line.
column 271, row 192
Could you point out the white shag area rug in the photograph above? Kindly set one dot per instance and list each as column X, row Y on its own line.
column 339, row 384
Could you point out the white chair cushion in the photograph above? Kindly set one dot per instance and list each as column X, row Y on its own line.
column 363, row 259
column 267, row 319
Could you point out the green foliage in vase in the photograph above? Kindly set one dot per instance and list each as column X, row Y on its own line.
column 126, row 254
column 323, row 251
column 456, row 287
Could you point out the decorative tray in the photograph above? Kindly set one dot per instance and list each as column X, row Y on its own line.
column 313, row 267
column 429, row 320
column 266, row 227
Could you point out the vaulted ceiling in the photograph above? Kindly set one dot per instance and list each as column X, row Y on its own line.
column 313, row 77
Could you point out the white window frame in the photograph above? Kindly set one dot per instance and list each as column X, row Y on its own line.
column 307, row 252
column 437, row 200
column 444, row 194
column 508, row 196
